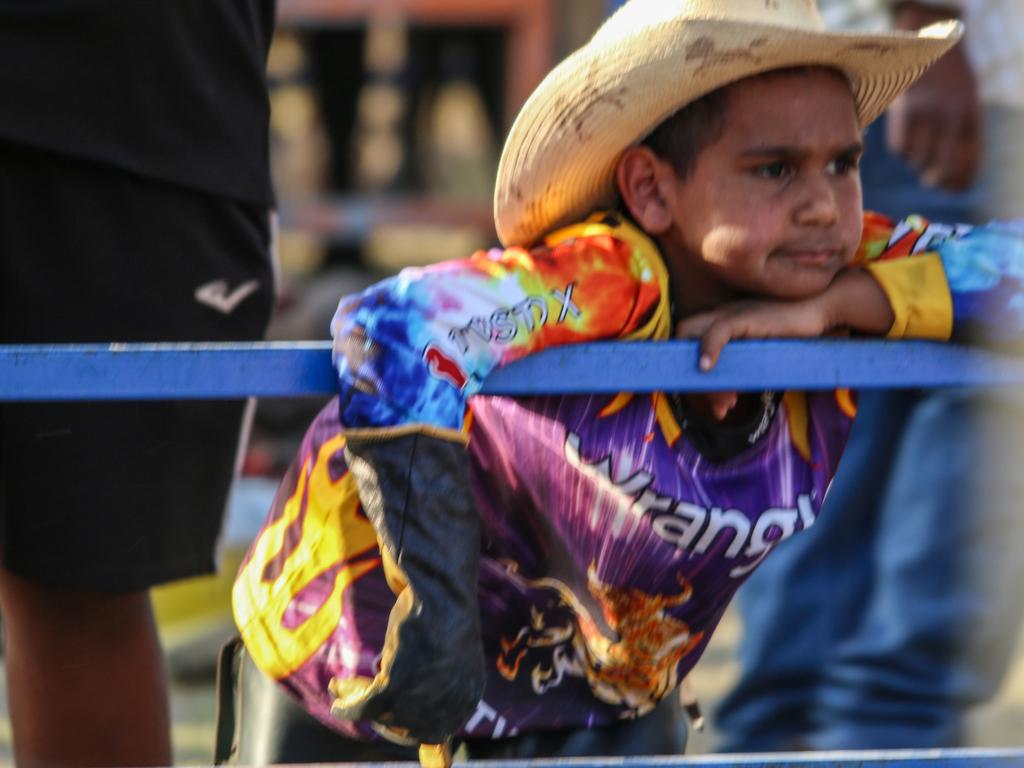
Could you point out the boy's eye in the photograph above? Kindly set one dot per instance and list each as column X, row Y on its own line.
column 844, row 165
column 776, row 170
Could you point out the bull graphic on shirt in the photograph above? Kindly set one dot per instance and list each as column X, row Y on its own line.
column 634, row 668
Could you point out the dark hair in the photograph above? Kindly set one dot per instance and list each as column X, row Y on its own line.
column 680, row 138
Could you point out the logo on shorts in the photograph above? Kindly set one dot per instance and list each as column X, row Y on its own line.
column 216, row 296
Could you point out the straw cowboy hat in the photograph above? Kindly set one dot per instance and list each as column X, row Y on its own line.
column 652, row 58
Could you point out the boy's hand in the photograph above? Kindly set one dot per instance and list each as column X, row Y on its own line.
column 752, row 319
column 854, row 301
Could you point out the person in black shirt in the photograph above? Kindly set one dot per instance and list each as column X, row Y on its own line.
column 134, row 198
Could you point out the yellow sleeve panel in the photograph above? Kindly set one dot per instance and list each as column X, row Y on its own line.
column 919, row 295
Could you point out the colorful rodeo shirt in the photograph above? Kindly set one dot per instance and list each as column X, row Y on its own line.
column 610, row 546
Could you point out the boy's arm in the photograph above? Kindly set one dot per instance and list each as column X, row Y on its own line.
column 409, row 354
column 854, row 301
column 912, row 279
column 413, row 349
column 952, row 282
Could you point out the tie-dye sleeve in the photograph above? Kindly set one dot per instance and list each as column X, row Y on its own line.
column 412, row 349
column 985, row 271
column 944, row 281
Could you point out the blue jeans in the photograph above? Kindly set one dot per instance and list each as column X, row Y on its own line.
column 898, row 609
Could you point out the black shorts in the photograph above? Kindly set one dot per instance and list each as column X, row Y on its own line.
column 119, row 496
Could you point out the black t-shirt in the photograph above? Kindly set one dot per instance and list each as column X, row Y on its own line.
column 173, row 90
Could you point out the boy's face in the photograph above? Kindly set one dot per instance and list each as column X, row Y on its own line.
column 773, row 207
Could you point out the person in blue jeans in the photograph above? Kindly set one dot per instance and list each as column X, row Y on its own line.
column 899, row 609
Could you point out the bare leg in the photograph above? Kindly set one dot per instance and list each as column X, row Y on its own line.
column 85, row 677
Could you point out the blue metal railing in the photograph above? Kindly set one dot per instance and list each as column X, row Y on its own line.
column 195, row 371
column 954, row 758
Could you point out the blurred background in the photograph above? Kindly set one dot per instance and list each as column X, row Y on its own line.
column 387, row 120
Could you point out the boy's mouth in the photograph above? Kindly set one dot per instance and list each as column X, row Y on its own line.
column 811, row 257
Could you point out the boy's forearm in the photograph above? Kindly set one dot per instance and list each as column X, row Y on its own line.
column 856, row 301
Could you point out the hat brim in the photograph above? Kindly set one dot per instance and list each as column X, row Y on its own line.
column 559, row 160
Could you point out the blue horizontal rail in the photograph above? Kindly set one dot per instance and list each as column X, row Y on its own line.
column 952, row 758
column 277, row 369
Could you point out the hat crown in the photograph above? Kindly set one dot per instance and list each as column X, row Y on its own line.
column 638, row 15
column 650, row 59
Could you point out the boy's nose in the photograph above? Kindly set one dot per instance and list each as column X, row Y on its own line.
column 817, row 205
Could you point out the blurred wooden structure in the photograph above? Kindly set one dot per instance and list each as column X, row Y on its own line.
column 531, row 27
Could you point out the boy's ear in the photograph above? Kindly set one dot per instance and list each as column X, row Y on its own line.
column 642, row 179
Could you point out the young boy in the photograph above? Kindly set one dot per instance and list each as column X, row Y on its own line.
column 561, row 562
